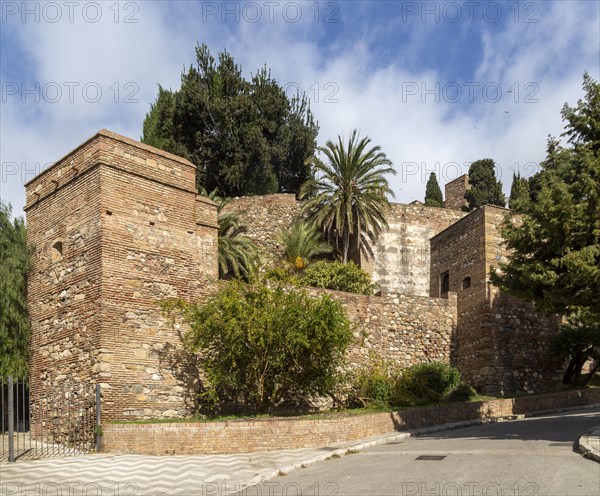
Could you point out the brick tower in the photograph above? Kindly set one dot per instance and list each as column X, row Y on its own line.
column 117, row 226
column 503, row 344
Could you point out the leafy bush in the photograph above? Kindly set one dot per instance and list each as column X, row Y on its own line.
column 339, row 276
column 281, row 274
column 373, row 385
column 463, row 392
column 427, row 381
column 262, row 346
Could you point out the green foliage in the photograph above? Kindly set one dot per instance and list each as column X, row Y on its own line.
column 485, row 189
column 427, row 381
column 246, row 137
column 347, row 195
column 372, row 385
column 14, row 324
column 554, row 244
column 238, row 255
column 303, row 242
column 338, row 276
column 433, row 193
column 577, row 341
column 463, row 392
column 262, row 345
column 519, row 194
column 285, row 275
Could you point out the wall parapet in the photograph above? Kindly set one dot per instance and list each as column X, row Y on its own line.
column 252, row 435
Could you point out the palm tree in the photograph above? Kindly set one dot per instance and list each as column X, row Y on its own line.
column 347, row 195
column 238, row 256
column 303, row 242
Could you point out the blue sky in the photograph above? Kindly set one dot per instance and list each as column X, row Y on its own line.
column 436, row 84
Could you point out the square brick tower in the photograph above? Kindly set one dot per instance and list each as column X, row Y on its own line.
column 117, row 227
column 503, row 344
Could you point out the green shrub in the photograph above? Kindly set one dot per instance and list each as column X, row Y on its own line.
column 261, row 346
column 463, row 392
column 373, row 385
column 426, row 381
column 281, row 274
column 338, row 276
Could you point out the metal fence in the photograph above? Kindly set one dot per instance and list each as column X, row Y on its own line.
column 58, row 419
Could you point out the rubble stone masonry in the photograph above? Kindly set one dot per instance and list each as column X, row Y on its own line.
column 400, row 261
column 503, row 345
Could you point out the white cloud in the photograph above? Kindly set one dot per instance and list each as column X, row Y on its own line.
column 552, row 54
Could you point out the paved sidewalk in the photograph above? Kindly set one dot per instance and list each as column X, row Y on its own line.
column 137, row 475
column 217, row 475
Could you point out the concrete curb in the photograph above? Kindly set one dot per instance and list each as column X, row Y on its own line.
column 390, row 438
column 589, row 444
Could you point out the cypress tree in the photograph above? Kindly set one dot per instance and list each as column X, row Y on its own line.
column 485, row 188
column 433, row 193
column 519, row 193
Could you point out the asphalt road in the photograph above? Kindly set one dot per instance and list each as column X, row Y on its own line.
column 531, row 457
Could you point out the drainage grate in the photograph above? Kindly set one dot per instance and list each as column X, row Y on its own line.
column 431, row 457
column 566, row 443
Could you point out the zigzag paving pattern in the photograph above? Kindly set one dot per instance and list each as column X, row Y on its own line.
column 133, row 475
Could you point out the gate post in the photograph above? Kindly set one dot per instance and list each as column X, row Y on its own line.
column 11, row 421
column 98, row 429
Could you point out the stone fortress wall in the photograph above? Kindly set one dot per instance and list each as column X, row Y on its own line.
column 118, row 228
column 400, row 261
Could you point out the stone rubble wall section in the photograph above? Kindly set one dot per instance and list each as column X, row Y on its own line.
column 252, row 435
column 400, row 261
column 403, row 329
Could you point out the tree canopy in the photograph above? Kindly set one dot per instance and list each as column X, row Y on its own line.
column 433, row 193
column 485, row 188
column 347, row 195
column 519, row 193
column 554, row 244
column 245, row 137
column 14, row 324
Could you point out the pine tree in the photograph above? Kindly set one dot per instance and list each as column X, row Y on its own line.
column 519, row 193
column 485, row 188
column 433, row 193
column 554, row 247
column 14, row 324
column 245, row 136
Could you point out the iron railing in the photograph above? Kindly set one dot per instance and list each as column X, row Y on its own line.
column 61, row 418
